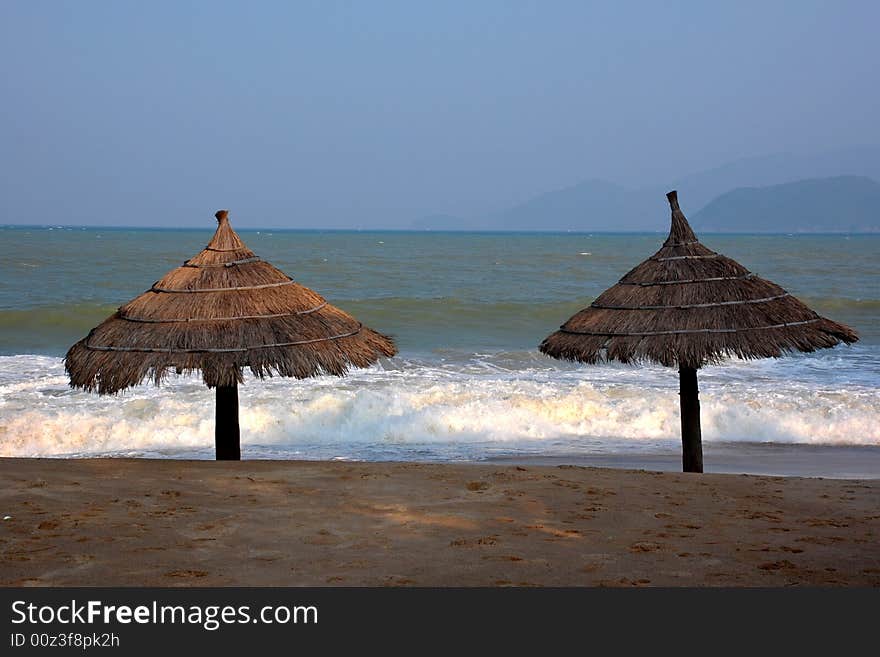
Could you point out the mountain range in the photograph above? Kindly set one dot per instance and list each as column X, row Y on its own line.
column 848, row 204
column 835, row 191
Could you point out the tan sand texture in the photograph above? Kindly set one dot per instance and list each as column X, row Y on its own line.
column 127, row 522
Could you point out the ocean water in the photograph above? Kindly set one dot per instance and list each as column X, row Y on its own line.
column 467, row 311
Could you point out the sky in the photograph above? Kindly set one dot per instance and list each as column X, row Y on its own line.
column 375, row 114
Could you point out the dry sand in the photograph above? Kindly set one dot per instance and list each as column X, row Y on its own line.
column 271, row 523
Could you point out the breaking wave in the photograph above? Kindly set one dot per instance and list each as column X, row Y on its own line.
column 451, row 406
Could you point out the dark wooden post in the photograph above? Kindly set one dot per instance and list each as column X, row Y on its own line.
column 226, row 433
column 691, row 437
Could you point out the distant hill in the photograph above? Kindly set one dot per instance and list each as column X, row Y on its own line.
column 590, row 205
column 598, row 205
column 699, row 188
column 839, row 204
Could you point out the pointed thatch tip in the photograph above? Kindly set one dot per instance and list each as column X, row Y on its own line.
column 680, row 233
column 222, row 215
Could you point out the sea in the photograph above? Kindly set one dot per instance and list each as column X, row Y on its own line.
column 468, row 311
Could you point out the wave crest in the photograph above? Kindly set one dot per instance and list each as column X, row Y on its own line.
column 415, row 411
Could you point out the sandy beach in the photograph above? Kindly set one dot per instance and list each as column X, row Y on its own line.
column 126, row 522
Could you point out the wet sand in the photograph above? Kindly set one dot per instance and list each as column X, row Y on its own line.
column 774, row 459
column 112, row 522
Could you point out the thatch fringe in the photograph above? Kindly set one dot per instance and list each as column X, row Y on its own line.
column 689, row 306
column 220, row 312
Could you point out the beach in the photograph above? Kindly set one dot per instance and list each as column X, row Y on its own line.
column 468, row 459
column 140, row 522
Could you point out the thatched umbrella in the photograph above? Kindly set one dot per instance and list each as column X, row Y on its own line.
column 688, row 306
column 221, row 311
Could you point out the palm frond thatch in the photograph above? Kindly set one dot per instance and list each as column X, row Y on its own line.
column 689, row 306
column 221, row 311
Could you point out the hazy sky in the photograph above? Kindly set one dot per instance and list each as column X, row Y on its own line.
column 376, row 113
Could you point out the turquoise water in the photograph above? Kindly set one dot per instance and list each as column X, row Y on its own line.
column 432, row 291
column 467, row 311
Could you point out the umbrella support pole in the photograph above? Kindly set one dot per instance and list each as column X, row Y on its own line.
column 691, row 436
column 226, row 432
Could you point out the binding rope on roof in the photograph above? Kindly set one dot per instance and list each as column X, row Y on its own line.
column 233, row 263
column 220, row 289
column 147, row 320
column 688, row 331
column 690, row 280
column 692, row 305
column 685, row 257
column 216, row 350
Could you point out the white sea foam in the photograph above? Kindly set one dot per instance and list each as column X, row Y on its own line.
column 442, row 408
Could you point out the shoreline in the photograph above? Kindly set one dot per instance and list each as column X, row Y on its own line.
column 840, row 462
column 132, row 522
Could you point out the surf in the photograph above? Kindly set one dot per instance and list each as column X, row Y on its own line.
column 487, row 405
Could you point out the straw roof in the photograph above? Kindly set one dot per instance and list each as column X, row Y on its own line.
column 689, row 306
column 221, row 311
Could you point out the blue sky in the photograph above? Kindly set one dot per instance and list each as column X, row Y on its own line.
column 373, row 114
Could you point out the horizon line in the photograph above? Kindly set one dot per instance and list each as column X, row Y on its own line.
column 561, row 231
